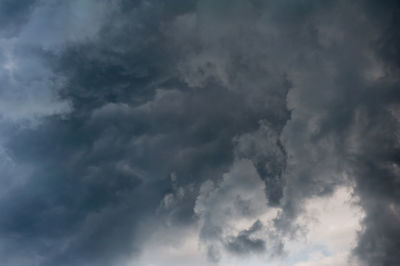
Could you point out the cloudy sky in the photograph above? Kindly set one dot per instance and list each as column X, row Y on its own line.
column 199, row 133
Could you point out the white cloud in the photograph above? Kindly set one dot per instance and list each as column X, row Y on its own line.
column 331, row 226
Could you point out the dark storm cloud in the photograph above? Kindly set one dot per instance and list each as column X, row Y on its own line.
column 176, row 110
column 377, row 162
column 13, row 14
column 134, row 119
column 355, row 130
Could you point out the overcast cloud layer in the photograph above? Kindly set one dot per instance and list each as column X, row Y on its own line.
column 199, row 132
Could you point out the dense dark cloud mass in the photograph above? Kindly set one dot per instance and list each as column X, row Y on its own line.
column 121, row 120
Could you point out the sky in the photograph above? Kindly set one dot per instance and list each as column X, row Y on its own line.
column 199, row 133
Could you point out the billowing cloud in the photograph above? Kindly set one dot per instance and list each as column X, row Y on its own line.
column 199, row 132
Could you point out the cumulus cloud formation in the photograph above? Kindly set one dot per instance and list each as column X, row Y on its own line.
column 199, row 132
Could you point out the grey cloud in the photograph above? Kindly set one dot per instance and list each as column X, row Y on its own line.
column 240, row 195
column 244, row 243
column 195, row 112
column 29, row 87
column 266, row 151
column 352, row 129
column 14, row 15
